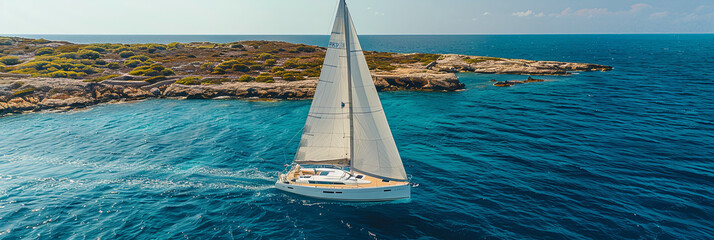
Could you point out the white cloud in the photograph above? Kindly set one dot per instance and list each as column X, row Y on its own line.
column 486, row 13
column 639, row 7
column 704, row 8
column 528, row 13
column 523, row 14
column 659, row 14
column 590, row 12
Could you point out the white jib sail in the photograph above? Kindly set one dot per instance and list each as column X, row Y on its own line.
column 326, row 137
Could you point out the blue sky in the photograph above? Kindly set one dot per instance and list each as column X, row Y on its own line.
column 370, row 16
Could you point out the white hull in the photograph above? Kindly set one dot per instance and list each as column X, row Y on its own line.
column 385, row 193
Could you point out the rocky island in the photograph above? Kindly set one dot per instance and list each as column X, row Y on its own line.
column 38, row 74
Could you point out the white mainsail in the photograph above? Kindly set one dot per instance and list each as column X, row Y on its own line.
column 326, row 137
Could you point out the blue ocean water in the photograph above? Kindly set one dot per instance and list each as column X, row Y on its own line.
column 625, row 154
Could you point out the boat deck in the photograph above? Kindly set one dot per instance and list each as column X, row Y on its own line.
column 374, row 182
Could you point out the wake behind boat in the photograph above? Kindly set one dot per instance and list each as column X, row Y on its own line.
column 347, row 151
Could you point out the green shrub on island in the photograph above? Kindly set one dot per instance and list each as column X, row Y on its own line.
column 207, row 46
column 113, row 65
column 66, row 74
column 44, row 51
column 126, row 54
column 176, row 45
column 40, row 41
column 476, row 60
column 189, row 81
column 132, row 63
column 102, row 78
column 233, row 65
column 309, row 63
column 240, row 68
column 152, row 47
column 270, row 62
column 257, row 67
column 277, row 69
column 24, row 92
column 156, row 46
column 305, row 48
column 56, row 67
column 263, row 78
column 266, row 56
column 68, row 48
column 167, row 72
column 5, row 41
column 120, row 49
column 207, row 66
column 218, row 70
column 10, row 60
column 425, row 58
column 292, row 63
column 246, row 78
column 381, row 61
column 290, row 75
column 88, row 54
column 228, row 64
column 237, row 46
column 100, row 62
column 142, row 58
column 152, row 70
column 105, row 46
column 69, row 55
column 312, row 72
column 155, row 79
column 95, row 48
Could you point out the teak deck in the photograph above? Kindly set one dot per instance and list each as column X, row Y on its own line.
column 374, row 182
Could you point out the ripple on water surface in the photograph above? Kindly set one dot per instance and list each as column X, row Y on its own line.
column 620, row 154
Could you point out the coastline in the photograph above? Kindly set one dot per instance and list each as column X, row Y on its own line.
column 240, row 70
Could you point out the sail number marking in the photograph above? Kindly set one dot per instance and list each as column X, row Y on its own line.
column 336, row 45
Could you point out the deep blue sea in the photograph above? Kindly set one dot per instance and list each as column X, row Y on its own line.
column 625, row 154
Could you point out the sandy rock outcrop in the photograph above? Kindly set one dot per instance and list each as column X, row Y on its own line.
column 477, row 64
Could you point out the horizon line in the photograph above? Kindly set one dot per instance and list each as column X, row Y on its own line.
column 365, row 34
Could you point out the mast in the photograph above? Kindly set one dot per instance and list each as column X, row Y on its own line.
column 349, row 85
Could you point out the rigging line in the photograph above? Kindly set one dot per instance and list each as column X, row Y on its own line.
column 291, row 139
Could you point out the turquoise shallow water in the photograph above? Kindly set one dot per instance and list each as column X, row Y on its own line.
column 625, row 154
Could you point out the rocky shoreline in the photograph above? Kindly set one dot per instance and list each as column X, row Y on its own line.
column 64, row 94
column 49, row 75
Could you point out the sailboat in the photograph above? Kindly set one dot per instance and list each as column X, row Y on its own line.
column 346, row 151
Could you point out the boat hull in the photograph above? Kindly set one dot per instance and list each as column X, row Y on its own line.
column 366, row 194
